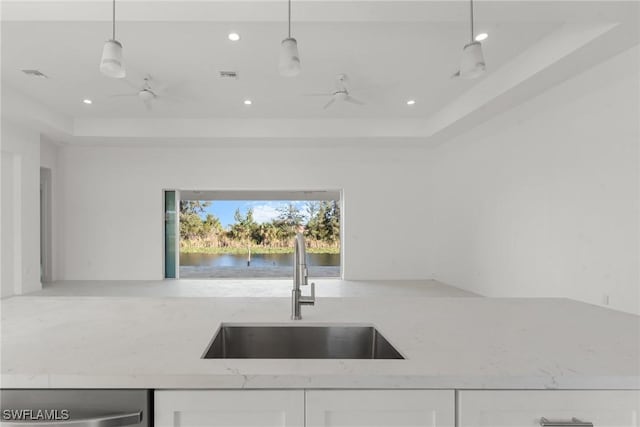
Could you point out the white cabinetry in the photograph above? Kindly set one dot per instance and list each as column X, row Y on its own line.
column 229, row 408
column 527, row 408
column 380, row 408
column 393, row 408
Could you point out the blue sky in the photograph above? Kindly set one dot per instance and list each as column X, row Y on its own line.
column 263, row 210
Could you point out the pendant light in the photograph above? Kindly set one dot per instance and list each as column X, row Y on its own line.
column 289, row 57
column 472, row 64
column 111, row 64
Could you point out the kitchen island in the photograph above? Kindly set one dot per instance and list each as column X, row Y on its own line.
column 448, row 343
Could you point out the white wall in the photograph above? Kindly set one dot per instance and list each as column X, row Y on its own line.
column 112, row 198
column 49, row 160
column 21, row 203
column 544, row 201
column 7, row 266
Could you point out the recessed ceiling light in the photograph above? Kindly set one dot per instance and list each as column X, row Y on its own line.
column 481, row 36
column 87, row 101
column 248, row 102
column 411, row 102
column 234, row 37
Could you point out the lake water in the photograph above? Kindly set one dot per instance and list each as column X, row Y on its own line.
column 257, row 260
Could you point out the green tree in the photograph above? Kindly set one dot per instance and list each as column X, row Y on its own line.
column 190, row 226
column 266, row 234
column 244, row 225
column 331, row 221
column 211, row 225
column 289, row 219
column 313, row 229
column 193, row 206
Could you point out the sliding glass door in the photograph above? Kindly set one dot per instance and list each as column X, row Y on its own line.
column 171, row 234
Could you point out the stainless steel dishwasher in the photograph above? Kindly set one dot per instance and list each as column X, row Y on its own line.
column 75, row 408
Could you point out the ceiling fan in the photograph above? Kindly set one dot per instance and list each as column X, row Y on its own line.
column 341, row 93
column 145, row 92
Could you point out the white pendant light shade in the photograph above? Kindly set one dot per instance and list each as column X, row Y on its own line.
column 112, row 64
column 289, row 65
column 289, row 58
column 472, row 63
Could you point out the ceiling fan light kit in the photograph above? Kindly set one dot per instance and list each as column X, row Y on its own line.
column 472, row 63
column 146, row 95
column 289, row 57
column 111, row 64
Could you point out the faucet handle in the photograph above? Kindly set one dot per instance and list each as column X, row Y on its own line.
column 308, row 300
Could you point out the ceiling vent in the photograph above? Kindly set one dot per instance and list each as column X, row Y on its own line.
column 229, row 75
column 35, row 73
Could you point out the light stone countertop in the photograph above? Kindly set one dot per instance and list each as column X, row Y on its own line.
column 250, row 288
column 449, row 342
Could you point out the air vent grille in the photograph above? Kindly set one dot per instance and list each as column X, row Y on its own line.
column 228, row 74
column 35, row 73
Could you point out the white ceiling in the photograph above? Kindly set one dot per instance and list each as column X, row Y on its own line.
column 387, row 64
column 392, row 51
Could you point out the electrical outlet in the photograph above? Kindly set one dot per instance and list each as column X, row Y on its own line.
column 605, row 299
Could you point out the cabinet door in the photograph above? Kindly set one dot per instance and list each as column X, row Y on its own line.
column 527, row 408
column 380, row 408
column 229, row 408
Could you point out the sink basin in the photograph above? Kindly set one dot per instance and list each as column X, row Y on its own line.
column 300, row 342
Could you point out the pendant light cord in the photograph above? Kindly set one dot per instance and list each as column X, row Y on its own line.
column 114, row 20
column 471, row 7
column 289, row 18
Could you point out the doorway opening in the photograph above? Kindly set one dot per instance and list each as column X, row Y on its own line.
column 249, row 234
column 45, row 225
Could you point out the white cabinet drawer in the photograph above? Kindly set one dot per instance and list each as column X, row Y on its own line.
column 526, row 408
column 229, row 408
column 380, row 408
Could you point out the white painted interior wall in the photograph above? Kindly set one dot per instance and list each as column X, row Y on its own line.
column 49, row 160
column 112, row 200
column 21, row 200
column 7, row 228
column 544, row 200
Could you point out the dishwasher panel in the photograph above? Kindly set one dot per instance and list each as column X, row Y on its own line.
column 75, row 408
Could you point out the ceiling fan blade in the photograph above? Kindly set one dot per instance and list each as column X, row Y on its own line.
column 328, row 104
column 353, row 100
column 130, row 83
column 160, row 88
column 175, row 89
column 170, row 98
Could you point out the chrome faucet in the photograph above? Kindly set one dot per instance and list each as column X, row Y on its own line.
column 300, row 279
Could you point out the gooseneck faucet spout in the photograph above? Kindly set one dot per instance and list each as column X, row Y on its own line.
column 300, row 278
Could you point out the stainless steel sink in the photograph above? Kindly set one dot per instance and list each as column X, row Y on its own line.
column 300, row 342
